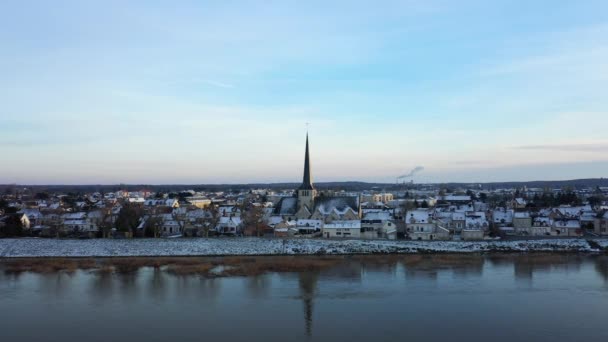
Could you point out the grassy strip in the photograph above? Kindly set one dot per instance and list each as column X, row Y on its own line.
column 256, row 265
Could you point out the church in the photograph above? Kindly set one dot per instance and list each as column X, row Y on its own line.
column 308, row 204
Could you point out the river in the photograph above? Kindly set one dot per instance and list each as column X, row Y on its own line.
column 479, row 298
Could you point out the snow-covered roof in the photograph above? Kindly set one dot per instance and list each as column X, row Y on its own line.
column 418, row 216
column 31, row 213
column 456, row 198
column 310, row 223
column 75, row 222
column 381, row 216
column 502, row 216
column 520, row 201
column 351, row 224
column 542, row 221
column 75, row 216
column 571, row 224
column 272, row 220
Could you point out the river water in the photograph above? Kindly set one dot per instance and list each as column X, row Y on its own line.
column 525, row 298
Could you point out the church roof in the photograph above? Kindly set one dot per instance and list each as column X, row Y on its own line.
column 307, row 179
column 287, row 206
column 326, row 204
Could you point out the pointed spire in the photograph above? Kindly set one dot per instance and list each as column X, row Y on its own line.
column 307, row 180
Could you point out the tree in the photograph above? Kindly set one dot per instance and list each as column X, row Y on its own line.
column 105, row 222
column 210, row 220
column 483, row 197
column 153, row 226
column 424, row 204
column 128, row 218
column 596, row 200
column 12, row 226
column 254, row 220
column 42, row 196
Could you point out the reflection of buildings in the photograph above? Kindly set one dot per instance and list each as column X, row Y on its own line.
column 526, row 266
column 429, row 266
column 259, row 286
column 601, row 266
column 308, row 286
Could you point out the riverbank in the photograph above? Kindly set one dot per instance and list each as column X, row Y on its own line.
column 31, row 247
column 247, row 266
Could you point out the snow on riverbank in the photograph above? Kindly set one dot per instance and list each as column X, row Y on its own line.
column 257, row 246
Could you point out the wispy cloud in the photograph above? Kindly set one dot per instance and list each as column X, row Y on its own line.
column 601, row 147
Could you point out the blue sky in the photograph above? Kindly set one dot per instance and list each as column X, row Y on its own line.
column 220, row 91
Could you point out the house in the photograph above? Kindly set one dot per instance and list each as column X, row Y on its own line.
column 468, row 234
column 309, row 226
column 342, row 229
column 502, row 217
column 519, row 203
column 285, row 229
column 455, row 199
column 80, row 226
column 453, row 219
column 170, row 225
column 541, row 225
column 476, row 226
column 78, row 222
column 199, row 201
column 33, row 215
column 566, row 227
column 164, row 202
column 421, row 226
column 522, row 223
column 378, row 225
column 229, row 225
column 601, row 224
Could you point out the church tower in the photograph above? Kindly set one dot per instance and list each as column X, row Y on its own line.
column 306, row 191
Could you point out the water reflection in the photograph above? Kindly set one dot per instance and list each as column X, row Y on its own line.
column 601, row 266
column 526, row 266
column 259, row 285
column 382, row 291
column 308, row 286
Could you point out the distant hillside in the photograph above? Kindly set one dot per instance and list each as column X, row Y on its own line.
column 347, row 186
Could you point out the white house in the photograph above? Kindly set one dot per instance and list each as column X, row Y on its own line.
column 601, row 224
column 378, row 225
column 342, row 229
column 566, row 228
column 421, row 226
column 229, row 225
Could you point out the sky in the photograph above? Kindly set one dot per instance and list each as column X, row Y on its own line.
column 192, row 92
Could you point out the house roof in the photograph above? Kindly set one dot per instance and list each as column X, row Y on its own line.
column 383, row 216
column 287, row 206
column 356, row 224
column 326, row 204
column 418, row 216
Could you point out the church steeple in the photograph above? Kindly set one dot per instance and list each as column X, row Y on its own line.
column 306, row 192
column 307, row 179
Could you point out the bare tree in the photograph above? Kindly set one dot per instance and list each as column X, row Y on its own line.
column 210, row 220
column 254, row 220
column 105, row 221
column 153, row 225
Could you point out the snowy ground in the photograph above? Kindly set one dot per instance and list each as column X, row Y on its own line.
column 257, row 246
column 603, row 243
